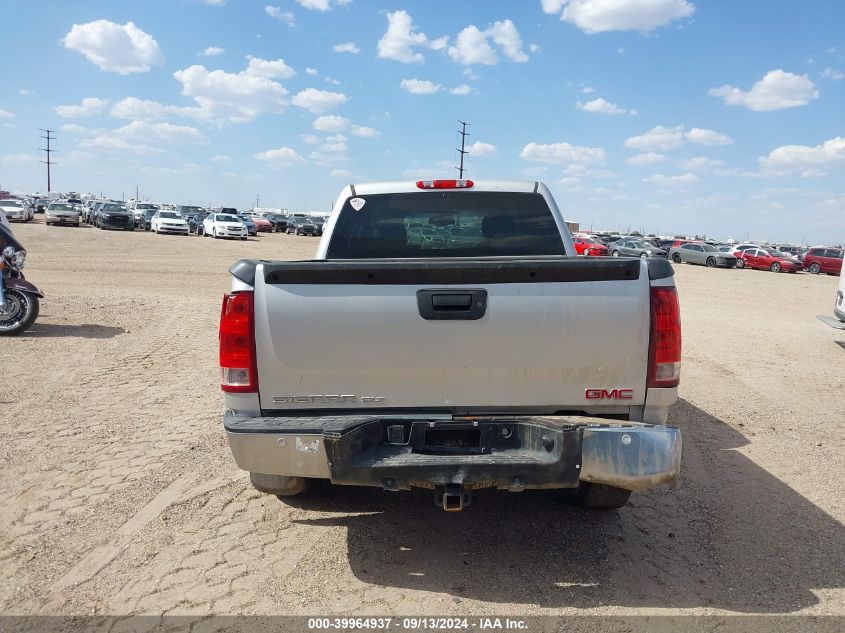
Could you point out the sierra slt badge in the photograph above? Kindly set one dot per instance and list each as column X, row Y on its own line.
column 609, row 394
column 328, row 399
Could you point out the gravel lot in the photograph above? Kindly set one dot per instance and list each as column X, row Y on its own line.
column 120, row 495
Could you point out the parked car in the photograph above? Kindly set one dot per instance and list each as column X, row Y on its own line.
column 195, row 222
column 589, row 247
column 319, row 223
column 823, row 260
column 262, row 224
column 186, row 210
column 763, row 259
column 704, row 254
column 114, row 216
column 249, row 224
column 139, row 209
column 279, row 222
column 218, row 225
column 635, row 248
column 145, row 220
column 839, row 302
column 16, row 210
column 300, row 225
column 61, row 213
column 168, row 222
column 41, row 204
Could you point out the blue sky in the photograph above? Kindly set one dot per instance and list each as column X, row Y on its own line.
column 675, row 116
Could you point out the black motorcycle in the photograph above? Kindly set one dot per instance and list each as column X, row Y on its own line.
column 18, row 297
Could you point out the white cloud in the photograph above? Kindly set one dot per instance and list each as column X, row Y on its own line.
column 797, row 157
column 281, row 157
column 311, row 71
column 708, row 137
column 420, row 86
column 283, row 16
column 318, row 101
column 814, row 173
column 161, row 133
column 237, row 97
column 647, row 158
column 662, row 138
column 134, row 108
column 399, row 41
column 561, row 153
column 212, row 51
column 88, row 107
column 221, row 158
column 341, row 173
column 683, row 179
column 472, row 45
column 320, row 5
column 24, row 92
column 700, row 163
column 598, row 16
column 310, row 139
column 214, row 3
column 332, row 81
column 777, row 90
column 365, row 132
column 336, row 144
column 832, row 73
column 481, row 150
column 269, row 69
column 73, row 128
column 346, row 47
column 602, row 106
column 5, row 114
column 659, row 138
column 122, row 49
column 17, row 159
column 118, row 145
column 587, row 90
column 330, row 123
column 461, row 90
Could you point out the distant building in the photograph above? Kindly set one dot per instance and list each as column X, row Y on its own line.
column 573, row 227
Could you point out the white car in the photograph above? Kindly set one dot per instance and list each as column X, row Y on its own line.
column 16, row 210
column 168, row 222
column 138, row 209
column 61, row 213
column 223, row 225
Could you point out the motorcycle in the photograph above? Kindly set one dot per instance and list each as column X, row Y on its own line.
column 18, row 297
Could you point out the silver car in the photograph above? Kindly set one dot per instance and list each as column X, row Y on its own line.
column 634, row 248
column 704, row 254
column 61, row 213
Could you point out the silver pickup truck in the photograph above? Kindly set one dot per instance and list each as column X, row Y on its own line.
column 446, row 336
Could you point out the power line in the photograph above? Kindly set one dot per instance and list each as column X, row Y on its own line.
column 464, row 134
column 49, row 151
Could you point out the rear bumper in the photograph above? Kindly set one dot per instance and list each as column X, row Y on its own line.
column 509, row 453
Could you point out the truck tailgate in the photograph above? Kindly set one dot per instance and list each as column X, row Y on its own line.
column 352, row 334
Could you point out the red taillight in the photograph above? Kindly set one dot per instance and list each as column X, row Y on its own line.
column 238, row 368
column 445, row 184
column 664, row 351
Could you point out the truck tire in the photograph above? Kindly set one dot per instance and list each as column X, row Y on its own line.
column 601, row 496
column 280, row 485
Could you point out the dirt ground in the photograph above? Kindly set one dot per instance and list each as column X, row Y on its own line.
column 120, row 495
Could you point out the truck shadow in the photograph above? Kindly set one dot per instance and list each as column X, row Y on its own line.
column 731, row 536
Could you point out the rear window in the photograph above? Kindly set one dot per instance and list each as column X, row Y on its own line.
column 446, row 224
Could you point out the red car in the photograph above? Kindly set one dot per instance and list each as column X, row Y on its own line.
column 589, row 247
column 766, row 260
column 823, row 260
column 262, row 225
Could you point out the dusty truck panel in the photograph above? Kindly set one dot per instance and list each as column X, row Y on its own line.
column 447, row 337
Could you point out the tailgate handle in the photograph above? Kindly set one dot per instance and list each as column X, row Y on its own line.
column 452, row 305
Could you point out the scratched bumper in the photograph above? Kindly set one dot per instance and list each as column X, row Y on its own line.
column 509, row 453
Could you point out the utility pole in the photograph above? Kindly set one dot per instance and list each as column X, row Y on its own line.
column 257, row 200
column 464, row 135
column 136, row 193
column 49, row 151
